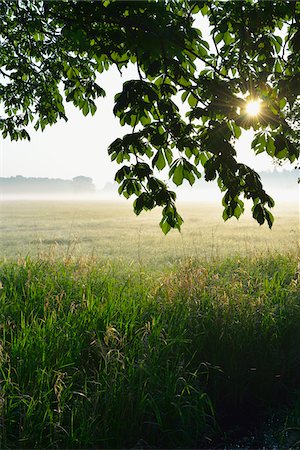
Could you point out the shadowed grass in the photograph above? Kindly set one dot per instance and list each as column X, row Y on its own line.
column 97, row 354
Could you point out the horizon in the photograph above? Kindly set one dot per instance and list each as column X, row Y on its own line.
column 201, row 192
column 269, row 170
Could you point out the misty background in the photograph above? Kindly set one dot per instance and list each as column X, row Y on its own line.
column 282, row 185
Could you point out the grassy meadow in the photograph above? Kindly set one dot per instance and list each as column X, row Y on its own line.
column 114, row 336
column 111, row 230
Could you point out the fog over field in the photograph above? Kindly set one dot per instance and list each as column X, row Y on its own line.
column 110, row 230
column 280, row 184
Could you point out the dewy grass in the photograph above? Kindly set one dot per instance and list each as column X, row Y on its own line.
column 113, row 231
column 98, row 355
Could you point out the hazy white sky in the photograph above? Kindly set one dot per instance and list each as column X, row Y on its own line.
column 79, row 147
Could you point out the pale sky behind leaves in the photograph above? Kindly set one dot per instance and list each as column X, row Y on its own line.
column 79, row 146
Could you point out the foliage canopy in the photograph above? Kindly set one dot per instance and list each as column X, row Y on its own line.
column 52, row 52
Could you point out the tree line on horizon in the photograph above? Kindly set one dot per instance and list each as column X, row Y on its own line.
column 34, row 185
column 81, row 184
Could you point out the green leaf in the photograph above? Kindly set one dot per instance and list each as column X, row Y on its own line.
column 228, row 39
column 70, row 73
column 278, row 67
column 205, row 10
column 225, row 215
column 165, row 226
column 282, row 103
column 237, row 211
column 258, row 213
column 236, row 130
column 270, row 145
column 192, row 100
column 219, row 37
column 85, row 109
column 168, row 155
column 93, row 108
column 178, row 175
column 269, row 218
column 145, row 120
column 159, row 160
column 184, row 96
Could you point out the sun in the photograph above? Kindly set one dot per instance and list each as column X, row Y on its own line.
column 253, row 107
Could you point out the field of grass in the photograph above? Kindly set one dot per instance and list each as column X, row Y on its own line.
column 97, row 355
column 114, row 336
column 112, row 230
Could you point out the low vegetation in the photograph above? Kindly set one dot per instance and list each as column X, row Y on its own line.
column 105, row 355
column 111, row 230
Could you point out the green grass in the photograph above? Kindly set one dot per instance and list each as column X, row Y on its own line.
column 97, row 354
column 113, row 231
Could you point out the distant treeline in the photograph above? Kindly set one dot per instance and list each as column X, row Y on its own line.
column 19, row 185
column 23, row 185
column 282, row 179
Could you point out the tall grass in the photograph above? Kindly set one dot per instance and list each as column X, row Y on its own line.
column 96, row 354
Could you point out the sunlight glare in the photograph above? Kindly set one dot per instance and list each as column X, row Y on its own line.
column 253, row 107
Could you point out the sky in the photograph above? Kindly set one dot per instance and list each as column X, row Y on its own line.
column 79, row 146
